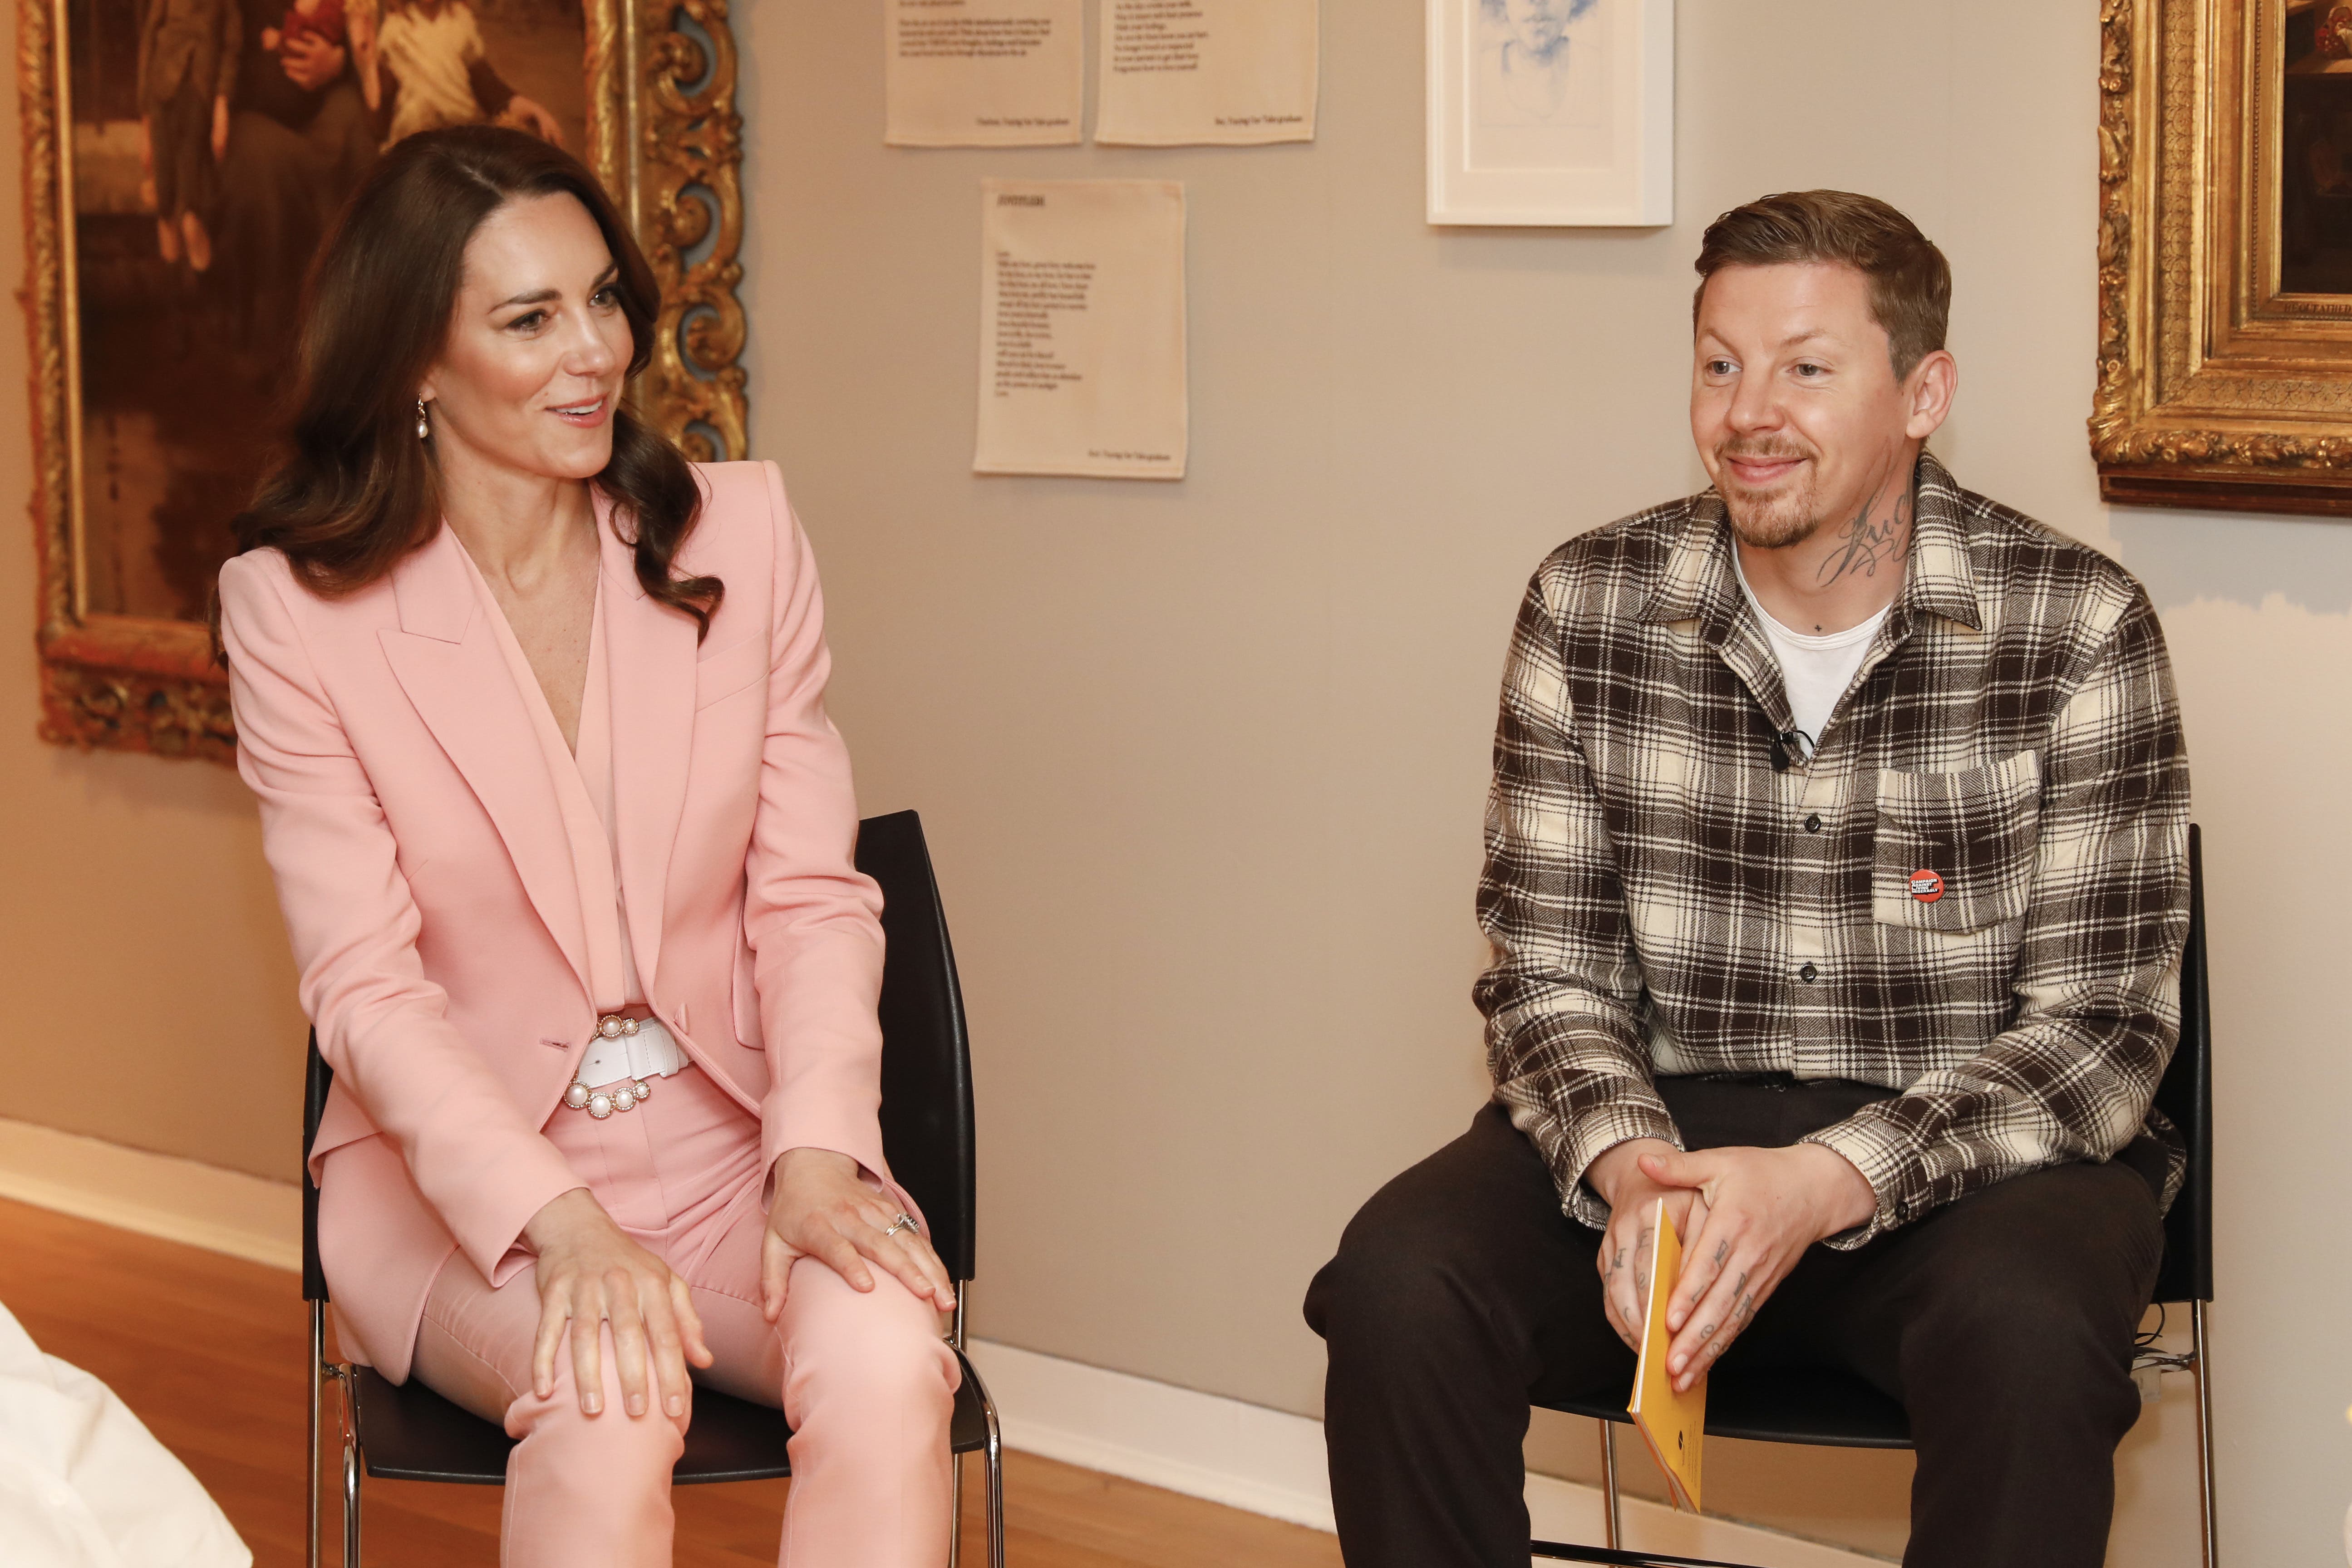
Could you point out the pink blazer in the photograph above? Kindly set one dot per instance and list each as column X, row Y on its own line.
column 427, row 886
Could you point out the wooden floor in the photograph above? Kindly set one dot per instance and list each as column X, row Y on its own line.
column 210, row 1352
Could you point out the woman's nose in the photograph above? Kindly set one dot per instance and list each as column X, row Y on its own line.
column 590, row 353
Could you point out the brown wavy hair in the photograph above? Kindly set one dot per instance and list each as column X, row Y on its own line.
column 356, row 489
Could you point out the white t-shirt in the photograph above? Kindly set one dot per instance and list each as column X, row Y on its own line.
column 1815, row 669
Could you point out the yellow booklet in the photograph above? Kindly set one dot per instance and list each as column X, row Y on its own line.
column 1672, row 1424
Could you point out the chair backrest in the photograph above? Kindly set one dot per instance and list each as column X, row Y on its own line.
column 317, row 1079
column 926, row 1115
column 2186, row 1096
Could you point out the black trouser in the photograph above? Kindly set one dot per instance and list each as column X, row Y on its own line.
column 2003, row 1322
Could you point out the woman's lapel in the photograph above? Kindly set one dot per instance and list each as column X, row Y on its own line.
column 650, row 651
column 446, row 657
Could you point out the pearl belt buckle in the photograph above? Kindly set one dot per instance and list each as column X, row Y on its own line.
column 628, row 1097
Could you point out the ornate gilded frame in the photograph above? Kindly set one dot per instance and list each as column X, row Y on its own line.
column 664, row 136
column 2215, row 388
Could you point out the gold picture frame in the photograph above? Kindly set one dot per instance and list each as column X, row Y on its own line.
column 2225, row 255
column 658, row 127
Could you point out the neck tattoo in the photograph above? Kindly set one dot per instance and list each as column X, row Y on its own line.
column 1864, row 544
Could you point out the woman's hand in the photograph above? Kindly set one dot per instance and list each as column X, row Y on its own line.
column 590, row 1274
column 822, row 1209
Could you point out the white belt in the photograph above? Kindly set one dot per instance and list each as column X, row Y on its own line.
column 629, row 1053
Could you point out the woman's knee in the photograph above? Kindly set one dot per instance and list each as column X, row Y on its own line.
column 881, row 1349
column 626, row 1450
column 645, row 1446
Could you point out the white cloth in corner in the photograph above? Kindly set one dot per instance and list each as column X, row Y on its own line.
column 83, row 1484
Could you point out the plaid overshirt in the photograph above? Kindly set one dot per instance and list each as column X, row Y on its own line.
column 1661, row 899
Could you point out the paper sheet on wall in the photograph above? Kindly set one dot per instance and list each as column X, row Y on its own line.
column 1227, row 72
column 1082, row 328
column 983, row 73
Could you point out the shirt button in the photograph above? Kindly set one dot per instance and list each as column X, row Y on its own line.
column 1813, row 823
column 1808, row 973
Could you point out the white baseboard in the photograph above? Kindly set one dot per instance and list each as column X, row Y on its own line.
column 1245, row 1456
column 1271, row 1462
column 154, row 1194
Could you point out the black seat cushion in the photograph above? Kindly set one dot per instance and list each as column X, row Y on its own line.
column 1776, row 1404
column 408, row 1433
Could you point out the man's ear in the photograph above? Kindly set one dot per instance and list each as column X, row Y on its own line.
column 1928, row 393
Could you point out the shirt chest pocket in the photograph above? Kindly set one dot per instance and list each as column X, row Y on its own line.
column 1954, row 852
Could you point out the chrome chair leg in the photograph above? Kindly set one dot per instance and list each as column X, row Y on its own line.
column 351, row 1507
column 995, row 1494
column 2204, row 1431
column 317, row 1382
column 1612, row 1526
column 955, row 1460
column 351, row 1467
column 955, row 1509
column 995, row 1457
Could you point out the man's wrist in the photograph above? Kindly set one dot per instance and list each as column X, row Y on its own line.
column 1848, row 1200
column 1611, row 1167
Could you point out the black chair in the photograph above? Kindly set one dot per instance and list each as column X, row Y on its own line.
column 406, row 1432
column 1837, row 1410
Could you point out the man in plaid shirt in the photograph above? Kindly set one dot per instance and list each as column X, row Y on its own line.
column 1836, row 880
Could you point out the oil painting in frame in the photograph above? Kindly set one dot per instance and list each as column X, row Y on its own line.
column 2225, row 255
column 181, row 158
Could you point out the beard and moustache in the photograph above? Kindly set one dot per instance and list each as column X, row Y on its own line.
column 1772, row 522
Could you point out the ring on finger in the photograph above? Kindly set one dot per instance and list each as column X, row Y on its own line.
column 904, row 1222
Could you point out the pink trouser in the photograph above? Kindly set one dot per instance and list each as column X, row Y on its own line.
column 864, row 1378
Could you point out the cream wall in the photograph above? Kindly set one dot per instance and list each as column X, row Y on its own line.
column 1203, row 762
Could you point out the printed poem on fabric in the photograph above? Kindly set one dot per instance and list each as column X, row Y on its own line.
column 983, row 73
column 1082, row 328
column 1230, row 72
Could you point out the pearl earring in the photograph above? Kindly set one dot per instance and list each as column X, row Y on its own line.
column 424, row 430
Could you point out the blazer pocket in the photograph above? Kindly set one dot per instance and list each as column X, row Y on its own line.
column 729, row 671
column 1954, row 852
column 746, row 998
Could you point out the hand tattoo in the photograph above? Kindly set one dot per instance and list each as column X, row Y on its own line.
column 1722, row 1251
column 1867, row 544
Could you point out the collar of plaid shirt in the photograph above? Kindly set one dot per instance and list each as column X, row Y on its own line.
column 1660, row 898
column 1698, row 584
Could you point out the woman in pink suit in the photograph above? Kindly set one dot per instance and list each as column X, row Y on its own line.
column 535, row 711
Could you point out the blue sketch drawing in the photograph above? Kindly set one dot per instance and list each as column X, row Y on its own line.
column 1539, row 62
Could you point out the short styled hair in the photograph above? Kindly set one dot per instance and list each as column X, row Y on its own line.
column 1910, row 281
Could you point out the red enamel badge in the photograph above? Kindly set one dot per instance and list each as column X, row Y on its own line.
column 1925, row 886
